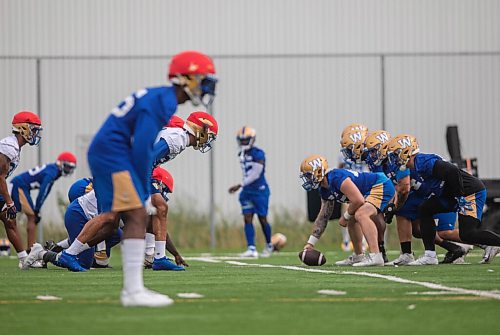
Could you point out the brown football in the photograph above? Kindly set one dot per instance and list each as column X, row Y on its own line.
column 312, row 257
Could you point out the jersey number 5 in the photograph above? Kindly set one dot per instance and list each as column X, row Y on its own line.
column 126, row 105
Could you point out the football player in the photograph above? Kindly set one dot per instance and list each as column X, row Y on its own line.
column 406, row 202
column 40, row 178
column 368, row 195
column 254, row 195
column 26, row 128
column 200, row 132
column 445, row 188
column 345, row 163
column 121, row 158
column 352, row 143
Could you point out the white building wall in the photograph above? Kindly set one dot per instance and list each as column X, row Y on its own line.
column 298, row 71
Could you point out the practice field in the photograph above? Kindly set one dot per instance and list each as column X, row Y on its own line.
column 277, row 295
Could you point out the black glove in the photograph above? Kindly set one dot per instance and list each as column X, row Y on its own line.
column 389, row 212
column 37, row 217
column 11, row 211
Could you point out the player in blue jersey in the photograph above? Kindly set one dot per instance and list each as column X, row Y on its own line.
column 445, row 188
column 350, row 158
column 121, row 159
column 352, row 143
column 40, row 178
column 368, row 195
column 254, row 195
column 26, row 128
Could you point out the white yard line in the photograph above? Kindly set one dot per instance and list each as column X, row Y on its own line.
column 457, row 290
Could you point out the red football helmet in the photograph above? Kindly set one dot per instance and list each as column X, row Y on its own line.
column 27, row 124
column 163, row 181
column 195, row 73
column 175, row 122
column 67, row 161
column 204, row 128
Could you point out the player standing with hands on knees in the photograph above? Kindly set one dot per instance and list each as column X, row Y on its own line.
column 254, row 196
column 121, row 157
column 26, row 128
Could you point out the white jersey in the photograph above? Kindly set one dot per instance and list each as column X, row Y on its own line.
column 10, row 148
column 88, row 202
column 177, row 140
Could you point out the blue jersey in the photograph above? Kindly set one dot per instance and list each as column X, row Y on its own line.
column 40, row 177
column 248, row 161
column 363, row 180
column 393, row 172
column 422, row 180
column 127, row 137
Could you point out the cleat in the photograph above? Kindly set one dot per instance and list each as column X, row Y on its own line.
column 489, row 254
column 52, row 246
column 425, row 260
column 33, row 257
column 148, row 261
column 403, row 259
column 451, row 256
column 144, row 298
column 166, row 264
column 268, row 251
column 96, row 265
column 250, row 253
column 375, row 259
column 38, row 265
column 353, row 259
column 70, row 262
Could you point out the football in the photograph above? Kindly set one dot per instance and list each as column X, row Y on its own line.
column 312, row 257
column 278, row 241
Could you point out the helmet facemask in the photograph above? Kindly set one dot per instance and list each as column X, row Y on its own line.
column 67, row 168
column 30, row 132
column 245, row 143
column 199, row 88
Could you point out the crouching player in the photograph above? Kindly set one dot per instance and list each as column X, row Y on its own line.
column 368, row 195
column 41, row 178
column 449, row 189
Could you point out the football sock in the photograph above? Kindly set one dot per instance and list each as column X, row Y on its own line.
column 381, row 247
column 101, row 246
column 22, row 254
column 49, row 256
column 133, row 263
column 150, row 244
column 77, row 247
column 64, row 243
column 250, row 234
column 449, row 245
column 406, row 247
column 160, row 249
column 266, row 229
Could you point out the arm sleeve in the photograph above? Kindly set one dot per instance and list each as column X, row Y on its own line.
column 44, row 191
column 160, row 151
column 451, row 175
column 253, row 174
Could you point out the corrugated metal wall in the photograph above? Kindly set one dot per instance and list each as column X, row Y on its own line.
column 297, row 71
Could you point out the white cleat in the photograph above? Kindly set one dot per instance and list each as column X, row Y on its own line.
column 144, row 298
column 373, row 259
column 489, row 254
column 268, row 251
column 33, row 260
column 425, row 260
column 353, row 259
column 250, row 253
column 403, row 259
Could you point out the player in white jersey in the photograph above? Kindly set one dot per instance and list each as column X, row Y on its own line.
column 26, row 128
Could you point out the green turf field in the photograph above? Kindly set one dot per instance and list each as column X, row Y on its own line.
column 242, row 299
